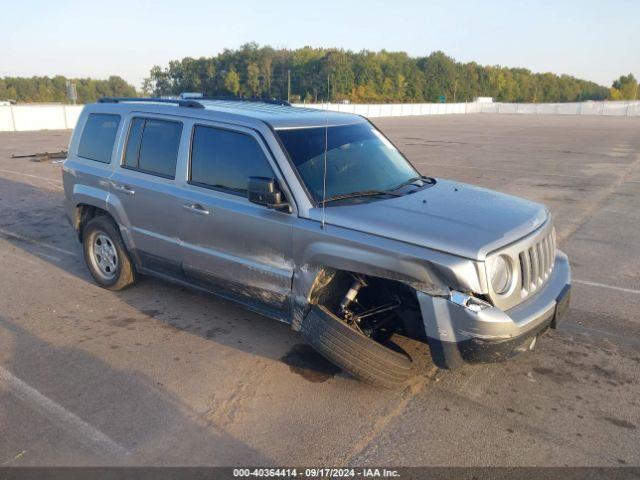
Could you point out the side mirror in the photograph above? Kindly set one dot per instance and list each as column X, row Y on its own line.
column 265, row 191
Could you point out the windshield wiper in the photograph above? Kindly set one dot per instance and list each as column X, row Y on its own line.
column 407, row 182
column 363, row 193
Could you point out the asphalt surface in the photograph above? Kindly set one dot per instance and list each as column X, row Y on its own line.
column 158, row 374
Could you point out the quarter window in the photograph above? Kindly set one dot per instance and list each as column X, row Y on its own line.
column 133, row 143
column 224, row 159
column 98, row 137
column 152, row 146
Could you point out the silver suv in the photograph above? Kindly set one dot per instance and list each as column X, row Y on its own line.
column 315, row 219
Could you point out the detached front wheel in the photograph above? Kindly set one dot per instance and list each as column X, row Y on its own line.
column 357, row 354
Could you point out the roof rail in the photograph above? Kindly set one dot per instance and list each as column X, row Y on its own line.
column 273, row 101
column 176, row 101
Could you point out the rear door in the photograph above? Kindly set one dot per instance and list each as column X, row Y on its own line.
column 144, row 185
column 231, row 246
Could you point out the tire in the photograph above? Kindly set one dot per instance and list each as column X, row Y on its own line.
column 354, row 352
column 105, row 254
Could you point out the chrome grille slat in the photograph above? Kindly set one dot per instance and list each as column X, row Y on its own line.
column 540, row 263
column 543, row 261
column 553, row 249
column 533, row 253
column 525, row 270
column 545, row 249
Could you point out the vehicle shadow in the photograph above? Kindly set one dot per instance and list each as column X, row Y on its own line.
column 60, row 382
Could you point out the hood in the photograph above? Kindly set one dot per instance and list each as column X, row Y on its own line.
column 449, row 216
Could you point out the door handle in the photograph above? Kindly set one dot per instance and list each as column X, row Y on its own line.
column 196, row 208
column 123, row 188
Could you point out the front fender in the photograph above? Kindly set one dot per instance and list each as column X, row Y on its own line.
column 317, row 250
column 377, row 263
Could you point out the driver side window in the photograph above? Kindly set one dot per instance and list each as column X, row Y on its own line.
column 224, row 160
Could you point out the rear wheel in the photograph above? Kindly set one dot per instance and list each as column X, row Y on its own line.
column 105, row 254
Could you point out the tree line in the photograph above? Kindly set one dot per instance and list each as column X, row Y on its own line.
column 317, row 74
column 54, row 89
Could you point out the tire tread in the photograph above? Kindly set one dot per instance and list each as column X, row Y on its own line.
column 357, row 354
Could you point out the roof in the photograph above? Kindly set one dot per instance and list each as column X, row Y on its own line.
column 279, row 115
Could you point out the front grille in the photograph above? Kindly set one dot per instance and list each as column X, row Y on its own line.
column 536, row 263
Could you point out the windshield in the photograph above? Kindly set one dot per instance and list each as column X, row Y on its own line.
column 359, row 159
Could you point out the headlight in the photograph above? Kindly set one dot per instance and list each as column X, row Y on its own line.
column 500, row 274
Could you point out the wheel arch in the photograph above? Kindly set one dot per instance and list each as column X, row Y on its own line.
column 314, row 276
column 428, row 271
column 90, row 202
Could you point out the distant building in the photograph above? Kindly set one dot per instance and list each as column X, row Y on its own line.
column 191, row 95
column 483, row 100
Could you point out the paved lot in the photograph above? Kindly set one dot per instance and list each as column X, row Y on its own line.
column 158, row 374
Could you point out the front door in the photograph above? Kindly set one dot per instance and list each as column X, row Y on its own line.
column 236, row 248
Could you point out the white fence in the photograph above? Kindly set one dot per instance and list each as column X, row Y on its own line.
column 16, row 118
column 372, row 110
column 622, row 108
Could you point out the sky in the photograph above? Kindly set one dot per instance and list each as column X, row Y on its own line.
column 594, row 40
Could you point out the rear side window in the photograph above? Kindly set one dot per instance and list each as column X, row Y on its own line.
column 152, row 146
column 223, row 159
column 98, row 137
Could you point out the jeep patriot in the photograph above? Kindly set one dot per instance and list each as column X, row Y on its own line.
column 316, row 219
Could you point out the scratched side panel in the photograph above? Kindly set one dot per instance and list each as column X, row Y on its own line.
column 240, row 249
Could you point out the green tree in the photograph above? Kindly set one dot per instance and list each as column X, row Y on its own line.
column 365, row 76
column 232, row 82
column 46, row 89
column 253, row 79
column 624, row 88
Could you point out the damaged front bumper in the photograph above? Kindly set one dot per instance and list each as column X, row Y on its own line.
column 459, row 334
